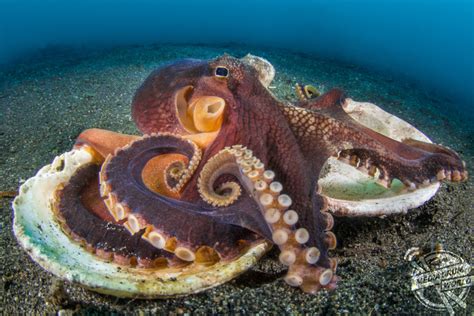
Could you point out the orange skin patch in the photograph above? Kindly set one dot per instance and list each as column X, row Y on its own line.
column 103, row 142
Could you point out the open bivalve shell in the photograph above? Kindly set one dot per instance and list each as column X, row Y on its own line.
column 352, row 193
column 40, row 234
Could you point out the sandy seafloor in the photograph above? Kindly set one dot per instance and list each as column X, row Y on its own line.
column 47, row 101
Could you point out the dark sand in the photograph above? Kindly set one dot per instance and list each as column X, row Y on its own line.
column 46, row 102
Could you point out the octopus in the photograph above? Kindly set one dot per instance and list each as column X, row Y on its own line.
column 223, row 166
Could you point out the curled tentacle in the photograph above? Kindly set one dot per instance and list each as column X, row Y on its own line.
column 175, row 170
column 228, row 192
column 157, row 218
column 303, row 250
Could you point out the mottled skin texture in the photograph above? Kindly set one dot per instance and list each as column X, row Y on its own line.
column 292, row 140
column 324, row 130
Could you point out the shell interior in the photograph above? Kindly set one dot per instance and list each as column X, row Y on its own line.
column 353, row 193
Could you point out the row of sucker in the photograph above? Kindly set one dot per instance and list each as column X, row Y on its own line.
column 135, row 223
column 307, row 125
column 382, row 176
column 102, row 249
column 291, row 238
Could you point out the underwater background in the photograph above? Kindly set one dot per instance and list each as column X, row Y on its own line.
column 66, row 66
column 430, row 42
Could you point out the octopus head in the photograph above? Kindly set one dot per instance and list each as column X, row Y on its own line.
column 198, row 97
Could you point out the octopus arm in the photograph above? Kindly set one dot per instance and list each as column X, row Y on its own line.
column 84, row 217
column 413, row 162
column 335, row 133
column 302, row 235
column 177, row 226
column 243, row 213
column 103, row 142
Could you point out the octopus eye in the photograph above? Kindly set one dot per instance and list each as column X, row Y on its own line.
column 221, row 72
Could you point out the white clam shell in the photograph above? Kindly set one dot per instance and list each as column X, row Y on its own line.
column 352, row 193
column 266, row 71
column 41, row 236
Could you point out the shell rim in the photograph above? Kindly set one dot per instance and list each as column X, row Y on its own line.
column 30, row 230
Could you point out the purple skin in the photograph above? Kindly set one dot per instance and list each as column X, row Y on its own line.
column 292, row 140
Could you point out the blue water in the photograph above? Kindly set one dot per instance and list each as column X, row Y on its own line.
column 430, row 43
